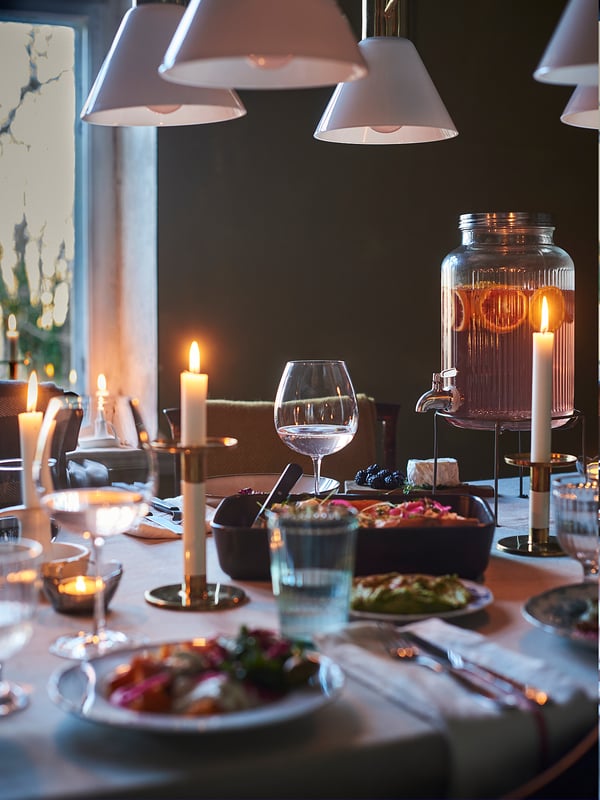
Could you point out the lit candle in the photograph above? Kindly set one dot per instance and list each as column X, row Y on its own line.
column 12, row 334
column 79, row 586
column 30, row 422
column 541, row 391
column 194, row 386
column 100, row 431
column 541, row 423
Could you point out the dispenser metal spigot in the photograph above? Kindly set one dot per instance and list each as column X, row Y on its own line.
column 440, row 397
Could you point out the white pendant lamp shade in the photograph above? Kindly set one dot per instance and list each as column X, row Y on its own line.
column 128, row 89
column 397, row 103
column 582, row 109
column 263, row 44
column 571, row 56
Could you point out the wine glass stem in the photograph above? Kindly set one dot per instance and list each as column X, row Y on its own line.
column 317, row 472
column 99, row 612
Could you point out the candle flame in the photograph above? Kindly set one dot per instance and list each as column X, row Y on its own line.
column 544, row 322
column 80, row 584
column 73, row 377
column 101, row 383
column 12, row 322
column 32, row 392
column 194, row 357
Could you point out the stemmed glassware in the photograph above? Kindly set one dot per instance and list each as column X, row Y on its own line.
column 575, row 505
column 95, row 496
column 19, row 591
column 316, row 411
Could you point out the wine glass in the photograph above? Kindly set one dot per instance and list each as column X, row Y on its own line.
column 96, row 493
column 19, row 591
column 576, row 519
column 316, row 412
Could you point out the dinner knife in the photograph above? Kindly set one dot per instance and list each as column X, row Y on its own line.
column 160, row 505
column 280, row 492
column 509, row 686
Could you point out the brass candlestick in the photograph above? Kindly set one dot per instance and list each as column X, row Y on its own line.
column 538, row 542
column 195, row 593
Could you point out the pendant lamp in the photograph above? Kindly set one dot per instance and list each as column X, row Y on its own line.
column 582, row 109
column 128, row 89
column 397, row 103
column 571, row 56
column 263, row 44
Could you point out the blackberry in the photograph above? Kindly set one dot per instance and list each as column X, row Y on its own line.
column 374, row 468
column 361, row 477
column 377, row 480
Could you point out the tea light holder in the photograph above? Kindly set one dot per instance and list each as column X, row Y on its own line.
column 195, row 593
column 75, row 594
column 538, row 542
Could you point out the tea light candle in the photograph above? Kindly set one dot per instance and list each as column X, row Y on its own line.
column 30, row 423
column 541, row 391
column 79, row 586
column 194, row 387
column 12, row 334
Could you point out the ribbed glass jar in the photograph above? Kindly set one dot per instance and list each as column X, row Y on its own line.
column 492, row 290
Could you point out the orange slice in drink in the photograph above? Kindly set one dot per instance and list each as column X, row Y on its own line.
column 502, row 308
column 556, row 307
column 461, row 310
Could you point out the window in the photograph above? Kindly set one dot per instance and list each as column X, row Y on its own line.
column 37, row 182
column 111, row 313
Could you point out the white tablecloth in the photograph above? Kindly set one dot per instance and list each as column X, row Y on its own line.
column 362, row 745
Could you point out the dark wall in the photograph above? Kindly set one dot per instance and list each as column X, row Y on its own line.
column 274, row 246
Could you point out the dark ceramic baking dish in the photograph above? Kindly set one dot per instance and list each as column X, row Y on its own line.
column 462, row 550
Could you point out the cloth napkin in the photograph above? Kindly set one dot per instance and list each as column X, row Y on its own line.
column 150, row 527
column 467, row 724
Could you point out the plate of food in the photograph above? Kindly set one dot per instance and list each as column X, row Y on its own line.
column 206, row 685
column 221, row 486
column 570, row 611
column 396, row 597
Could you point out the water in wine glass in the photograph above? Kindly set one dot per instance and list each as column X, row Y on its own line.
column 19, row 590
column 576, row 512
column 316, row 440
column 88, row 496
column 105, row 511
column 316, row 411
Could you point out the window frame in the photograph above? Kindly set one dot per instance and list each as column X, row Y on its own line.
column 115, row 300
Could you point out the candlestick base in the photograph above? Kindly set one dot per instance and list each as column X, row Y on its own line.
column 195, row 594
column 538, row 542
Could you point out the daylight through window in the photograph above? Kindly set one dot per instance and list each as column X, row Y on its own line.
column 37, row 196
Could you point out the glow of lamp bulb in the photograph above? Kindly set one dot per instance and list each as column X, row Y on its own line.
column 164, row 109
column 269, row 62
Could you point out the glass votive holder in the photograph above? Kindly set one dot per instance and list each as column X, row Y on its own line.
column 75, row 594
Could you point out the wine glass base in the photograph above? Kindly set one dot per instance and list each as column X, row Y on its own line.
column 88, row 645
column 12, row 698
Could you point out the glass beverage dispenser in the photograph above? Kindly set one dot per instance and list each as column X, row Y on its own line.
column 492, row 291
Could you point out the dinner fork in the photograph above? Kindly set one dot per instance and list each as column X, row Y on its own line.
column 400, row 648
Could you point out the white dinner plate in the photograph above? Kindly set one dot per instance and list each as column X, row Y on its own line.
column 481, row 597
column 77, row 689
column 558, row 610
column 225, row 485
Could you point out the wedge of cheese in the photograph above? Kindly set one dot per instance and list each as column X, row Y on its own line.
column 419, row 472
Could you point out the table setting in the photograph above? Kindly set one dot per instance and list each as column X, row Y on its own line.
column 480, row 688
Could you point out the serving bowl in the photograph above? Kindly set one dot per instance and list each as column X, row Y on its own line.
column 458, row 549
